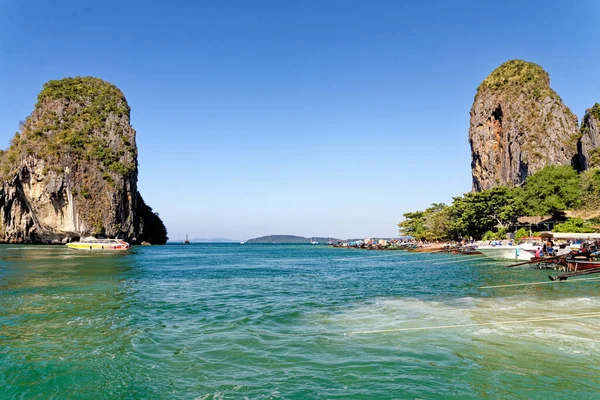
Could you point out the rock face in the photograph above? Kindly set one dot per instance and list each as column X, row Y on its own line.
column 589, row 144
column 518, row 126
column 71, row 171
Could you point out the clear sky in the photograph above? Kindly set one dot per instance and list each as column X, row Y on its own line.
column 295, row 117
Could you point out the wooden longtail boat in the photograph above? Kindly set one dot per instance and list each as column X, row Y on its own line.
column 566, row 276
column 579, row 265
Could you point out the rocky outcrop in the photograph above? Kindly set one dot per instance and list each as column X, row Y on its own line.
column 518, row 126
column 589, row 144
column 71, row 170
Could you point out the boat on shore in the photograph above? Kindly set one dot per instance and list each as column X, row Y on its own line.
column 522, row 252
column 100, row 244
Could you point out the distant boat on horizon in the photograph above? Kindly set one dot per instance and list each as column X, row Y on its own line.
column 186, row 241
column 313, row 241
column 243, row 240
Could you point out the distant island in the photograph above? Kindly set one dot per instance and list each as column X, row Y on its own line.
column 290, row 239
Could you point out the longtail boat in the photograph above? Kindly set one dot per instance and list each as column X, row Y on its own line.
column 578, row 265
column 566, row 276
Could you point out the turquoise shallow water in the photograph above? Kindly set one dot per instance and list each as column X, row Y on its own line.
column 229, row 321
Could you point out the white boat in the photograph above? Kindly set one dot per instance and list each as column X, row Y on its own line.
column 313, row 241
column 100, row 244
column 523, row 252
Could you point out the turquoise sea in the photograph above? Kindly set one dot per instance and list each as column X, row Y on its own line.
column 230, row 321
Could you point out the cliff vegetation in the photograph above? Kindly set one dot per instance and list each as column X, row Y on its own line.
column 518, row 125
column 71, row 170
column 489, row 214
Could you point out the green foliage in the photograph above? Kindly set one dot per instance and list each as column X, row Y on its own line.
column 589, row 184
column 413, row 225
column 103, row 97
column 488, row 214
column 468, row 216
column 106, row 176
column 85, row 192
column 594, row 158
column 489, row 235
column 552, row 190
column 574, row 225
column 90, row 110
column 500, row 234
column 435, row 223
column 120, row 168
column 521, row 233
column 438, row 222
column 479, row 212
column 595, row 111
column 495, row 235
column 518, row 76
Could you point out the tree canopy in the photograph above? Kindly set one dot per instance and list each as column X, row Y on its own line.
column 551, row 191
column 489, row 213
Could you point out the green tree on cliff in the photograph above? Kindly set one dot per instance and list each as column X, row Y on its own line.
column 551, row 191
column 589, row 184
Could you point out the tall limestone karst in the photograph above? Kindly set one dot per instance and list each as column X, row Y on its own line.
column 518, row 126
column 71, row 171
column 589, row 143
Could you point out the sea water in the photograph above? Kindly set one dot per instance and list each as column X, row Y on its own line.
column 230, row 321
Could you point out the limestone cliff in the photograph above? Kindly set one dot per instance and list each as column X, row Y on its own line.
column 589, row 143
column 71, row 170
column 518, row 126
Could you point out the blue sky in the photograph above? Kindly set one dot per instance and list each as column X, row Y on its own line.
column 295, row 117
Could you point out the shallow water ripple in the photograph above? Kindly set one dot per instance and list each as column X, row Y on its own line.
column 224, row 321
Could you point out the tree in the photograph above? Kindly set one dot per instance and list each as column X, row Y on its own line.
column 521, row 233
column 413, row 225
column 589, row 184
column 435, row 223
column 438, row 222
column 551, row 191
column 477, row 213
column 574, row 225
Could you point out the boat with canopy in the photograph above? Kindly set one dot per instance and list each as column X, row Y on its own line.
column 100, row 244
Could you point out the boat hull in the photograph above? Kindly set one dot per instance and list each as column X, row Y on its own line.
column 98, row 246
column 506, row 253
column 582, row 265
